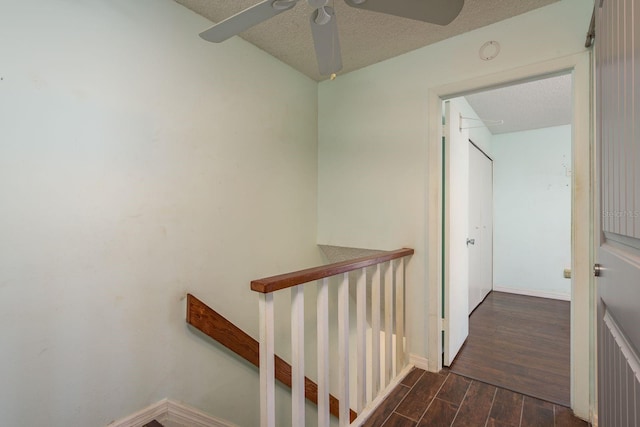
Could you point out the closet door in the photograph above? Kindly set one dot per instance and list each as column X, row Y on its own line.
column 480, row 240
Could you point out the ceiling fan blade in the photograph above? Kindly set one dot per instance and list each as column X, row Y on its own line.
column 440, row 12
column 246, row 19
column 327, row 44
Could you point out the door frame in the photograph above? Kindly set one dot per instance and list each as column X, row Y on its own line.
column 582, row 284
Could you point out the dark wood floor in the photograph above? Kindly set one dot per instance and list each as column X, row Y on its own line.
column 447, row 399
column 520, row 343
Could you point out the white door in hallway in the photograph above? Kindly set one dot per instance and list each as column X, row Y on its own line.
column 480, row 239
column 456, row 230
column 618, row 230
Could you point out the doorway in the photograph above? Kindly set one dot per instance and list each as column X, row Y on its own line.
column 581, row 285
column 527, row 129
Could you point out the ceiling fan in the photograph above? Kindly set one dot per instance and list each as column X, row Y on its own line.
column 324, row 28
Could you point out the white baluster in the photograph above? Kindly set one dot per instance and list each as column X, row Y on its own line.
column 297, row 356
column 361, row 346
column 400, row 357
column 388, row 321
column 267, row 368
column 323, row 353
column 375, row 331
column 343, row 350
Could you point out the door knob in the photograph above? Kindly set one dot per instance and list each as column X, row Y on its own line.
column 471, row 242
column 597, row 270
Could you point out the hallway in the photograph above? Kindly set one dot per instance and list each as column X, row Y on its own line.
column 520, row 343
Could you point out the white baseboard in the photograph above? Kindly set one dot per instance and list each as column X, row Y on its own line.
column 171, row 414
column 191, row 417
column 534, row 293
column 152, row 412
column 419, row 362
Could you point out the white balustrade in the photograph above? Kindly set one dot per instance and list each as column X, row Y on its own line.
column 323, row 353
column 361, row 339
column 297, row 356
column 343, row 350
column 388, row 322
column 375, row 332
column 399, row 280
column 267, row 365
column 370, row 378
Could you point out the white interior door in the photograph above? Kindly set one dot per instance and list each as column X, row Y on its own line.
column 480, row 243
column 618, row 252
column 456, row 227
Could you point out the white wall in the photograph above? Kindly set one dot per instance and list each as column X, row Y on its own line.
column 373, row 129
column 532, row 211
column 138, row 162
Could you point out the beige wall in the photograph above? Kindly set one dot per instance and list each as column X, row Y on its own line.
column 138, row 163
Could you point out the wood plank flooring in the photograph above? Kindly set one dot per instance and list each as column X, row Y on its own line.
column 520, row 343
column 447, row 399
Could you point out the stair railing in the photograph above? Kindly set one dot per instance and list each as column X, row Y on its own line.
column 386, row 269
column 217, row 327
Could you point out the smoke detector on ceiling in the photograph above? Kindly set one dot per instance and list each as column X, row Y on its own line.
column 489, row 50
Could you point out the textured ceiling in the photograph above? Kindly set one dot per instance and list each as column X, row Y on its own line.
column 365, row 37
column 532, row 105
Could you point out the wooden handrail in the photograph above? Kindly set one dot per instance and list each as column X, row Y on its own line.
column 288, row 280
column 216, row 326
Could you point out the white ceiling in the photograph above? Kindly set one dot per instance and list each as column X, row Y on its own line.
column 532, row 105
column 365, row 37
